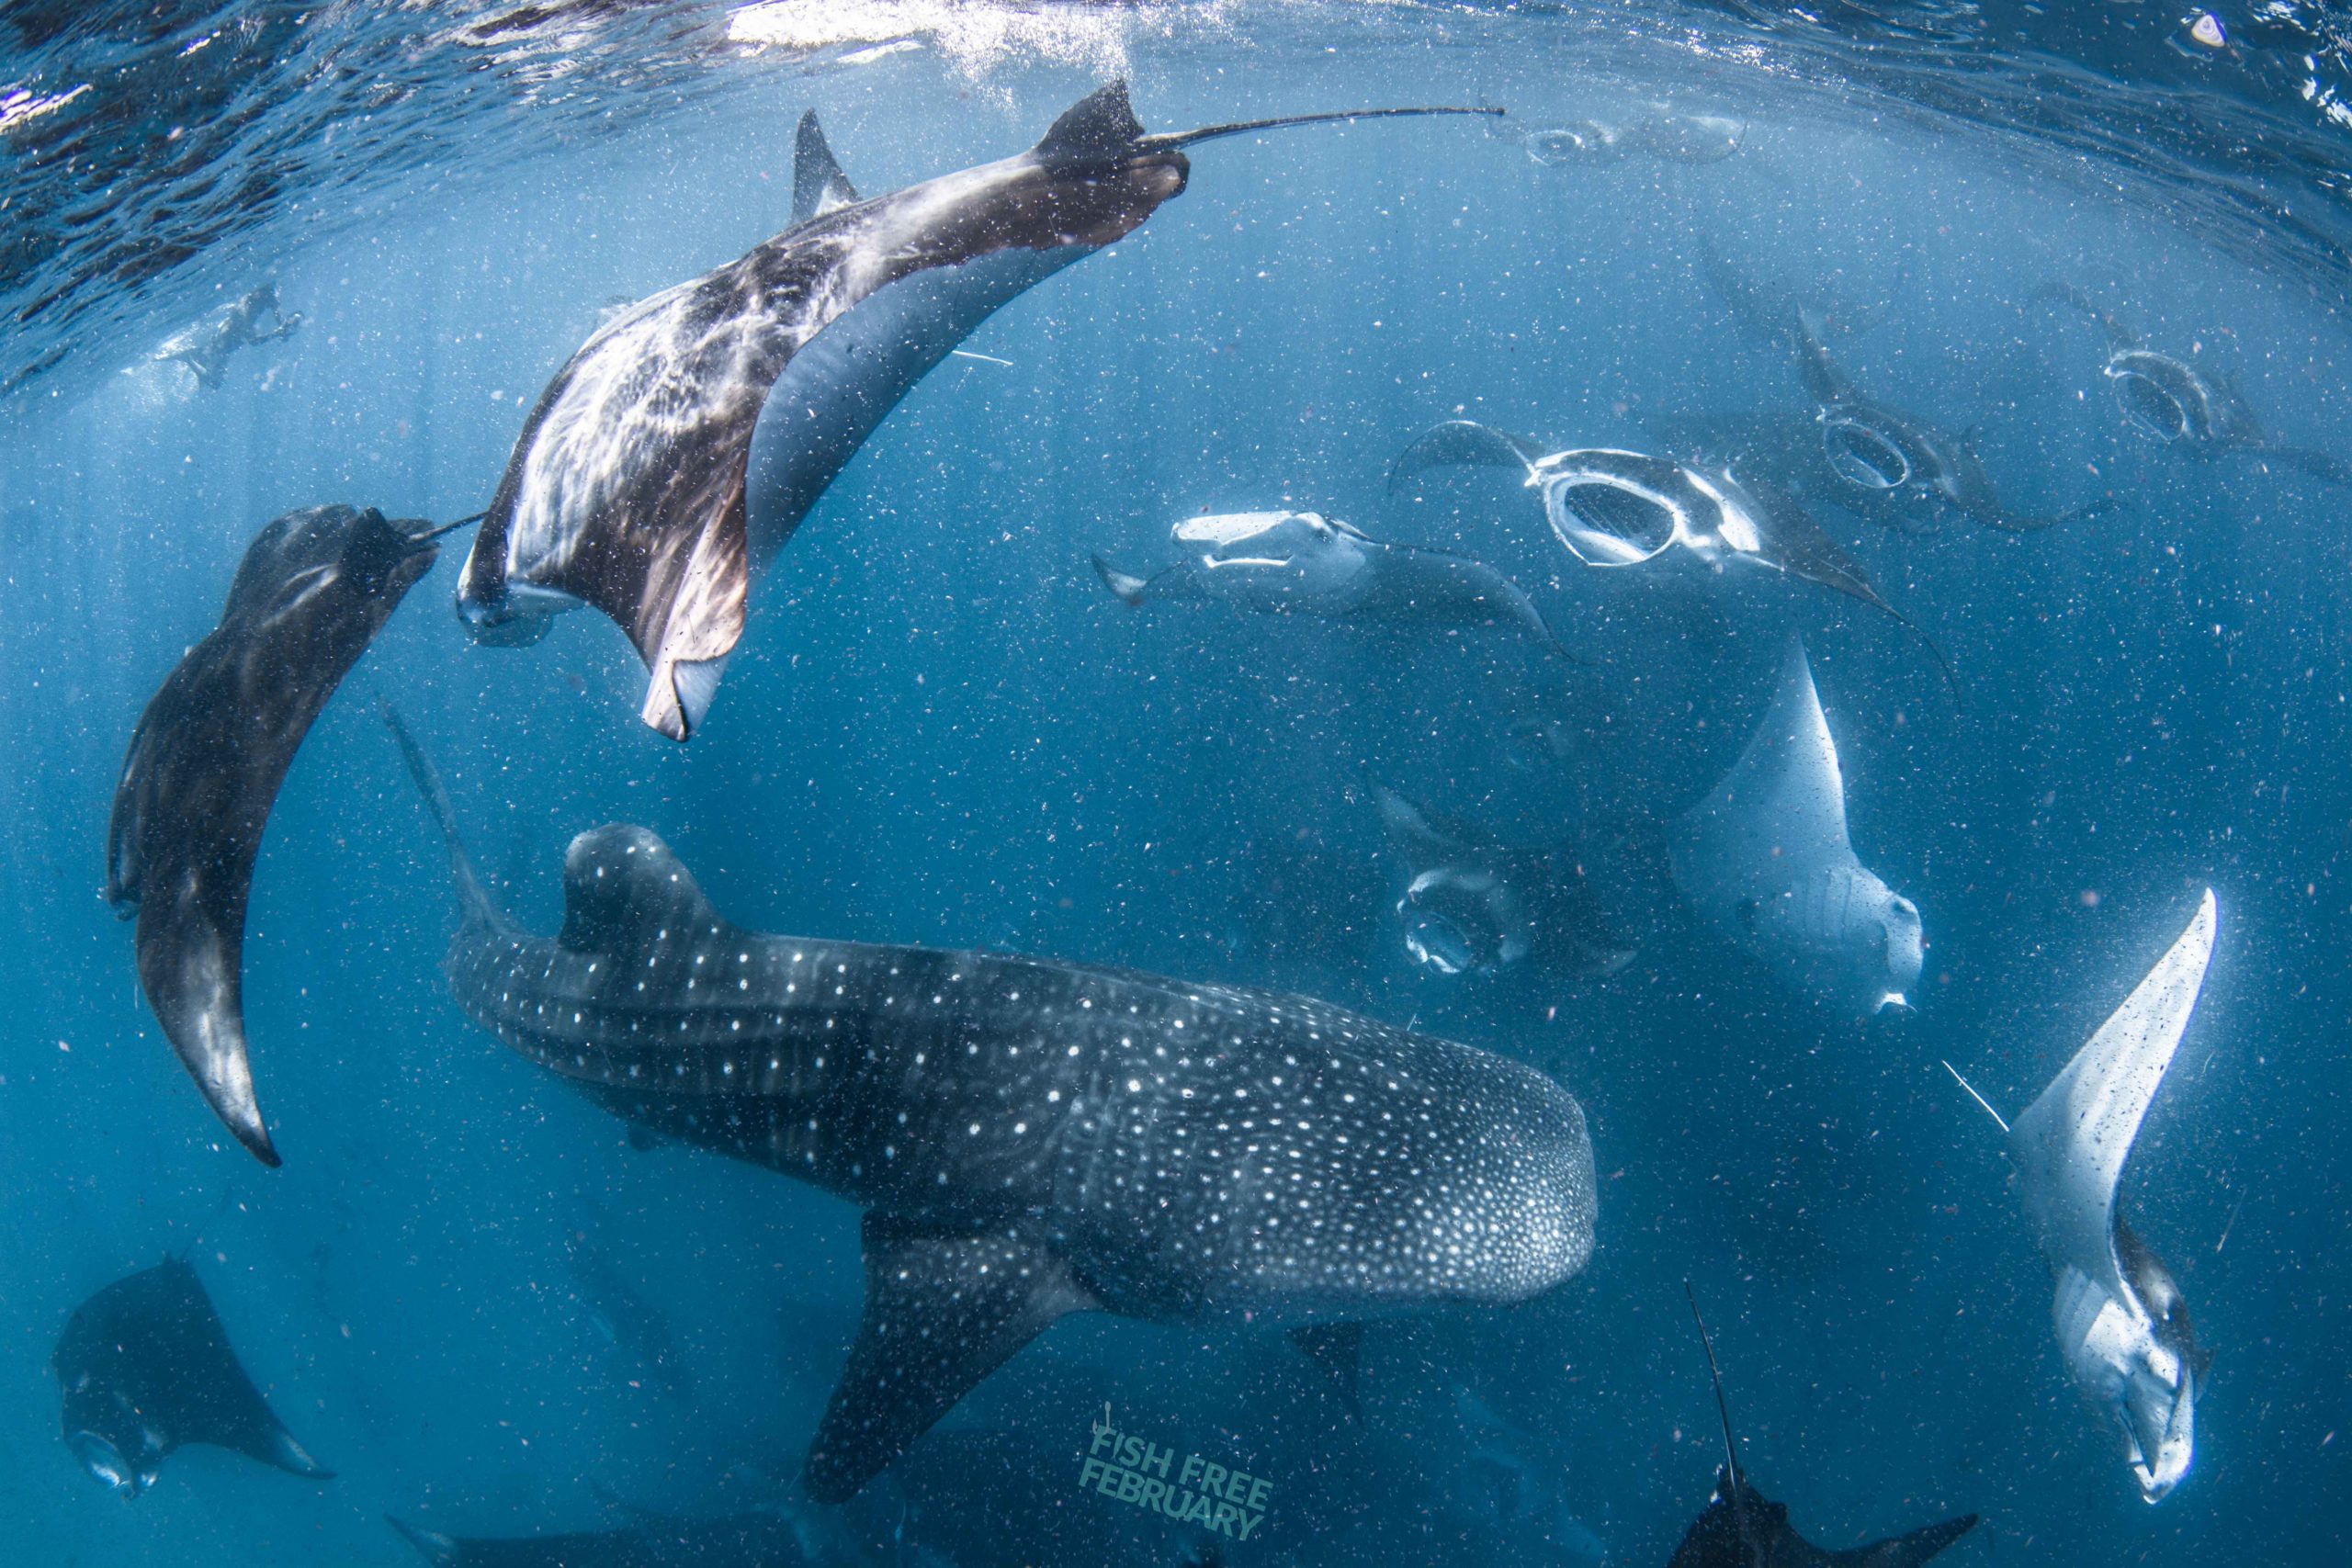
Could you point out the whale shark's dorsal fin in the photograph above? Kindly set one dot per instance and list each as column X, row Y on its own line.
column 818, row 184
column 1100, row 126
column 944, row 1309
column 2070, row 1144
column 623, row 890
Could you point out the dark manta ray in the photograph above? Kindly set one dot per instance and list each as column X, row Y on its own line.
column 1301, row 562
column 627, row 489
column 2196, row 410
column 1741, row 1527
column 1868, row 456
column 146, row 1368
column 1616, row 509
column 209, row 755
column 1031, row 1138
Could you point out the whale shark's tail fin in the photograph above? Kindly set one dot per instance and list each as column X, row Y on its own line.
column 471, row 893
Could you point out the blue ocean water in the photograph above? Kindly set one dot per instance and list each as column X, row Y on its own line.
column 475, row 1300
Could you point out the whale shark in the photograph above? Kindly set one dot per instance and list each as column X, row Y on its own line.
column 1303, row 563
column 1615, row 509
column 677, row 450
column 1765, row 859
column 2192, row 409
column 1475, row 906
column 1866, row 454
column 2121, row 1322
column 207, row 759
column 146, row 1369
column 1030, row 1138
column 1741, row 1527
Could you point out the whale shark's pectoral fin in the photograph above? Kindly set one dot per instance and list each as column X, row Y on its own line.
column 1463, row 443
column 2069, row 1145
column 818, row 184
column 944, row 1309
column 1338, row 1349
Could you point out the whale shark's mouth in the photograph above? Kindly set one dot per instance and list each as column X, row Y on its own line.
column 1864, row 456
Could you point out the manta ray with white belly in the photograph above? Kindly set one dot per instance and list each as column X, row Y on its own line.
column 2122, row 1323
column 1765, row 859
column 679, row 448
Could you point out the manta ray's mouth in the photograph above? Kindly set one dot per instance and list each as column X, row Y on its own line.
column 2150, row 406
column 1607, row 521
column 1864, row 456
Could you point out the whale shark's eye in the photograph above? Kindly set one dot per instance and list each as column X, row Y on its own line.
column 1864, row 458
column 2150, row 407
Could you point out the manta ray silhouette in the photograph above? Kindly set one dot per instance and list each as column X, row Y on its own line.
column 207, row 757
column 1031, row 1138
column 683, row 443
column 146, row 1368
column 1741, row 1527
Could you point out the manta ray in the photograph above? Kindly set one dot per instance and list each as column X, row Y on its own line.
column 1612, row 509
column 1031, row 1138
column 146, row 1368
column 680, row 447
column 206, row 761
column 1866, row 454
column 1304, row 563
column 1741, row 1527
column 2193, row 410
column 1475, row 906
column 2122, row 1323
column 1766, row 859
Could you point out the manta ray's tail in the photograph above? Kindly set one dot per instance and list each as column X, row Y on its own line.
column 471, row 893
